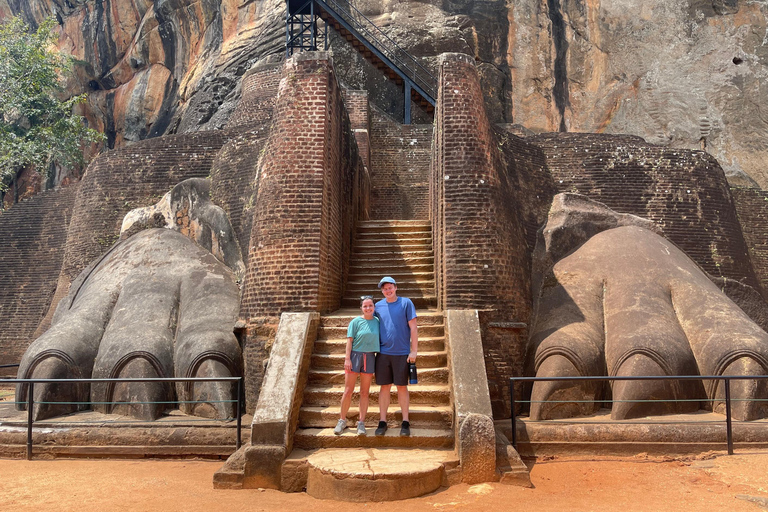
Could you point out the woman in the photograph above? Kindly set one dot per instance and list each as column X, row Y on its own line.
column 362, row 345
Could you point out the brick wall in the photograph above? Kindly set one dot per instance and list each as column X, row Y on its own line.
column 482, row 257
column 400, row 160
column 752, row 209
column 235, row 171
column 308, row 196
column 33, row 233
column 685, row 192
column 258, row 93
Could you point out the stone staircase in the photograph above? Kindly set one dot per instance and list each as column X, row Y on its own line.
column 403, row 250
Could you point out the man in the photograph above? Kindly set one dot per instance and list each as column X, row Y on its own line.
column 399, row 344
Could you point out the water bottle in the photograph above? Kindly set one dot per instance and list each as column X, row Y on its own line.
column 412, row 378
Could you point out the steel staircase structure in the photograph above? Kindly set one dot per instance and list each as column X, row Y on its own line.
column 419, row 85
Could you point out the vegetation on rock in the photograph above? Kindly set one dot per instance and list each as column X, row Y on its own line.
column 38, row 126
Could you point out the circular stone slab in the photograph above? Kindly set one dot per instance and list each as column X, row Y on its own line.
column 375, row 474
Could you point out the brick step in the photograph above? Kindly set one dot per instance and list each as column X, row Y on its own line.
column 391, row 258
column 422, row 416
column 426, row 301
column 338, row 332
column 382, row 248
column 336, row 361
column 342, row 317
column 339, row 346
column 311, row 438
column 421, row 394
column 317, row 377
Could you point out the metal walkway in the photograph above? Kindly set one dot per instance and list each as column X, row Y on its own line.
column 419, row 85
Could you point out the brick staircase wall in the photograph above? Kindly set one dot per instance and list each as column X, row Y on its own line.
column 400, row 159
column 481, row 252
column 33, row 233
column 685, row 192
column 309, row 196
column 752, row 209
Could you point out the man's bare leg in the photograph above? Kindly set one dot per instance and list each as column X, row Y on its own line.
column 404, row 399
column 384, row 401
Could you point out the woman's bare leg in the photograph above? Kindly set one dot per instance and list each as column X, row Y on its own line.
column 365, row 385
column 349, row 387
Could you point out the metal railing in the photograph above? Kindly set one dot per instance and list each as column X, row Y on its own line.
column 405, row 62
column 30, row 401
column 725, row 378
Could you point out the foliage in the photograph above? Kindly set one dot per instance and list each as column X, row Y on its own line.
column 37, row 127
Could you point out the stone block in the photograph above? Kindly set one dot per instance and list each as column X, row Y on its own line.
column 263, row 466
column 477, row 449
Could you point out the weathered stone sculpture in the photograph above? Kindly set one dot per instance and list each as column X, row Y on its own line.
column 614, row 298
column 157, row 304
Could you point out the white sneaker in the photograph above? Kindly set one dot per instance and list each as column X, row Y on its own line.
column 361, row 429
column 340, row 426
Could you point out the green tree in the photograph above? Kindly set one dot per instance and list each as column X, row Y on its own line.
column 37, row 127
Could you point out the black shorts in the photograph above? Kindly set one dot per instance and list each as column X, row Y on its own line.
column 391, row 370
column 362, row 362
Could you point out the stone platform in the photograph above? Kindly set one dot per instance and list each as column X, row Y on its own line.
column 377, row 474
column 92, row 434
column 597, row 434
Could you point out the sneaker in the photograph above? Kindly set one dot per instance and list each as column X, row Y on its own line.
column 361, row 429
column 405, row 430
column 340, row 426
column 382, row 428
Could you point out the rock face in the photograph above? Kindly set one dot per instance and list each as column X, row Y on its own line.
column 683, row 73
column 627, row 302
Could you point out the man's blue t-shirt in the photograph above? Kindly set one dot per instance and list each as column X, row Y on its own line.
column 393, row 326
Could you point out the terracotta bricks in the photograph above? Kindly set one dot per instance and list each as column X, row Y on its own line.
column 309, row 196
column 34, row 232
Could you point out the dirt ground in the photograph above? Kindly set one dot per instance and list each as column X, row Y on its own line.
column 709, row 482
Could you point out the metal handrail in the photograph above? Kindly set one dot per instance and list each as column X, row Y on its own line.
column 31, row 393
column 725, row 378
column 385, row 44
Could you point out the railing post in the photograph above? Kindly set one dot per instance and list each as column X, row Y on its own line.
column 30, row 416
column 728, row 425
column 238, row 411
column 407, row 88
column 514, row 417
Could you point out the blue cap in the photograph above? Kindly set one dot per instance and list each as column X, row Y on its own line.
column 385, row 280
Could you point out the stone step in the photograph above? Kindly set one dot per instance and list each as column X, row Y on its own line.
column 338, row 332
column 403, row 290
column 393, row 226
column 339, row 346
column 336, row 361
column 379, row 268
column 311, row 438
column 425, row 242
column 318, row 377
column 420, row 394
column 366, row 283
column 342, row 317
column 421, row 416
column 414, row 276
column 373, row 475
column 406, row 261
column 382, row 248
column 396, row 235
column 421, row 302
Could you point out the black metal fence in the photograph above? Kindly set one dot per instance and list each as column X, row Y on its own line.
column 30, row 401
column 725, row 378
